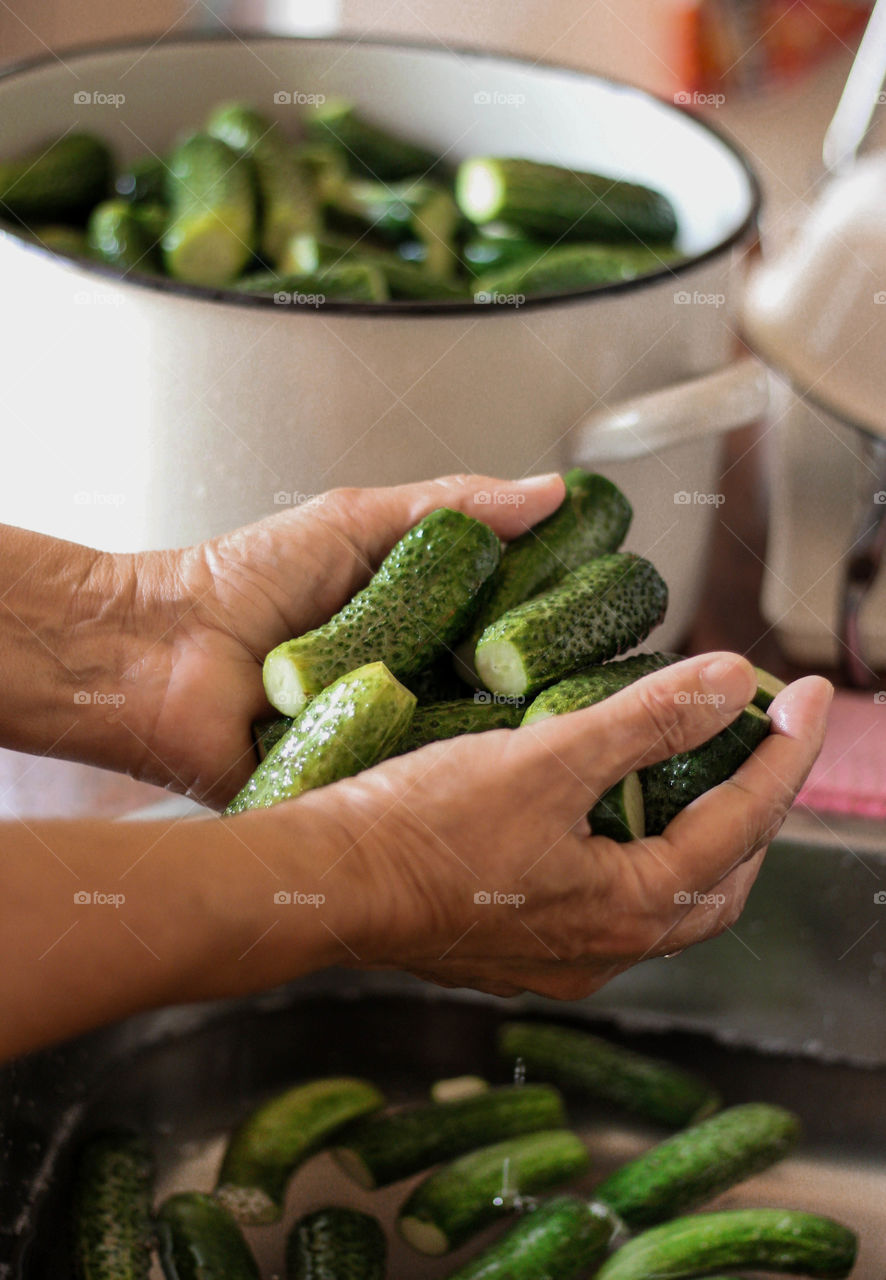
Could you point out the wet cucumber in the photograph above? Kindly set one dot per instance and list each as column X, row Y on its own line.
column 267, row 733
column 763, row 1239
column 560, row 1240
column 581, row 1061
column 553, row 203
column 199, row 1240
column 113, row 1228
column 619, row 813
column 672, row 784
column 127, row 235
column 698, row 1164
column 213, row 212
column 367, row 148
column 420, row 600
column 271, row 1142
column 571, row 267
column 438, row 721
column 463, row 1197
column 768, row 687
column 58, row 182
column 351, row 725
column 598, row 611
column 346, row 281
column 591, row 686
column 385, row 1148
column 592, row 519
column 144, row 182
column 336, row 1244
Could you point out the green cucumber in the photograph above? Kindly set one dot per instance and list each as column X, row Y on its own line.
column 454, row 1088
column 351, row 725
column 437, row 721
column 336, row 1244
column 56, row 182
column 598, row 611
column 768, row 687
column 346, row 281
column 127, row 235
column 548, row 201
column 619, row 813
column 199, row 1240
column 274, row 1139
column 560, row 1240
column 286, row 189
column 113, row 1228
column 366, row 147
column 213, row 223
column 437, row 682
column 421, row 211
column 383, row 1149
column 578, row 1060
column 144, row 182
column 325, row 166
column 803, row 1244
column 267, row 733
column 484, row 253
column 463, row 1197
column 407, row 280
column 569, row 267
column 60, row 239
column 699, row 1163
column 593, row 685
column 672, row 784
column 593, row 519
column 419, row 601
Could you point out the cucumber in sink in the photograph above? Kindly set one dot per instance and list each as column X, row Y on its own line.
column 199, row 1240
column 598, row 611
column 619, row 814
column 269, row 1145
column 113, row 1228
column 593, row 685
column 592, row 520
column 803, row 1244
column 578, row 1060
column 56, row 182
column 385, row 1148
column 698, row 1164
column 420, row 600
column 438, row 721
column 351, row 725
column 213, row 221
column 460, row 1199
column 366, row 147
column 553, row 203
column 336, row 1244
column 560, row 1240
column 674, row 783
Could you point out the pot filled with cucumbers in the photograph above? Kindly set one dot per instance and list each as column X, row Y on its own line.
column 245, row 271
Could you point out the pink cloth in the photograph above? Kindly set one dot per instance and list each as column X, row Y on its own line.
column 850, row 774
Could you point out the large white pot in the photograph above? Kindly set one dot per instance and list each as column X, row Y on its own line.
column 143, row 415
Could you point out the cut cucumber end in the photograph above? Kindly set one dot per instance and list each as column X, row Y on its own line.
column 620, row 814
column 423, row 1236
column 285, row 687
column 210, row 250
column 250, row 1205
column 479, row 190
column 354, row 1166
column 500, row 667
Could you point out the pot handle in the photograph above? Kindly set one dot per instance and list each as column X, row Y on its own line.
column 703, row 406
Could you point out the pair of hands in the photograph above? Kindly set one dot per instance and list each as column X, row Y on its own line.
column 409, row 844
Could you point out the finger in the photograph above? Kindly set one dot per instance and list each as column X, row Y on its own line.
column 667, row 712
column 712, row 910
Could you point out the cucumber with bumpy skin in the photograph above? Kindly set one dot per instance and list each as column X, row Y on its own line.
column 672, row 784
column 383, row 1149
column 551, row 202
column 419, row 601
column 592, row 519
column 336, row 1244
column 584, row 1062
column 560, row 1240
column 422, row 211
column 571, row 267
column 598, row 611
column 463, row 1197
column 591, row 686
column 699, row 1163
column 803, row 1244
column 56, row 182
column 619, row 813
column 351, row 725
column 267, row 733
column 438, row 721
column 269, row 1145
column 213, row 212
column 113, row 1229
column 768, row 687
column 199, row 1240
column 366, row 147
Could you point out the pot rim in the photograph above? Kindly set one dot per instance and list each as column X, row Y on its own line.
column 400, row 307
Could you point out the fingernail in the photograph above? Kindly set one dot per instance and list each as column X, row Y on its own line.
column 731, row 679
column 538, row 482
